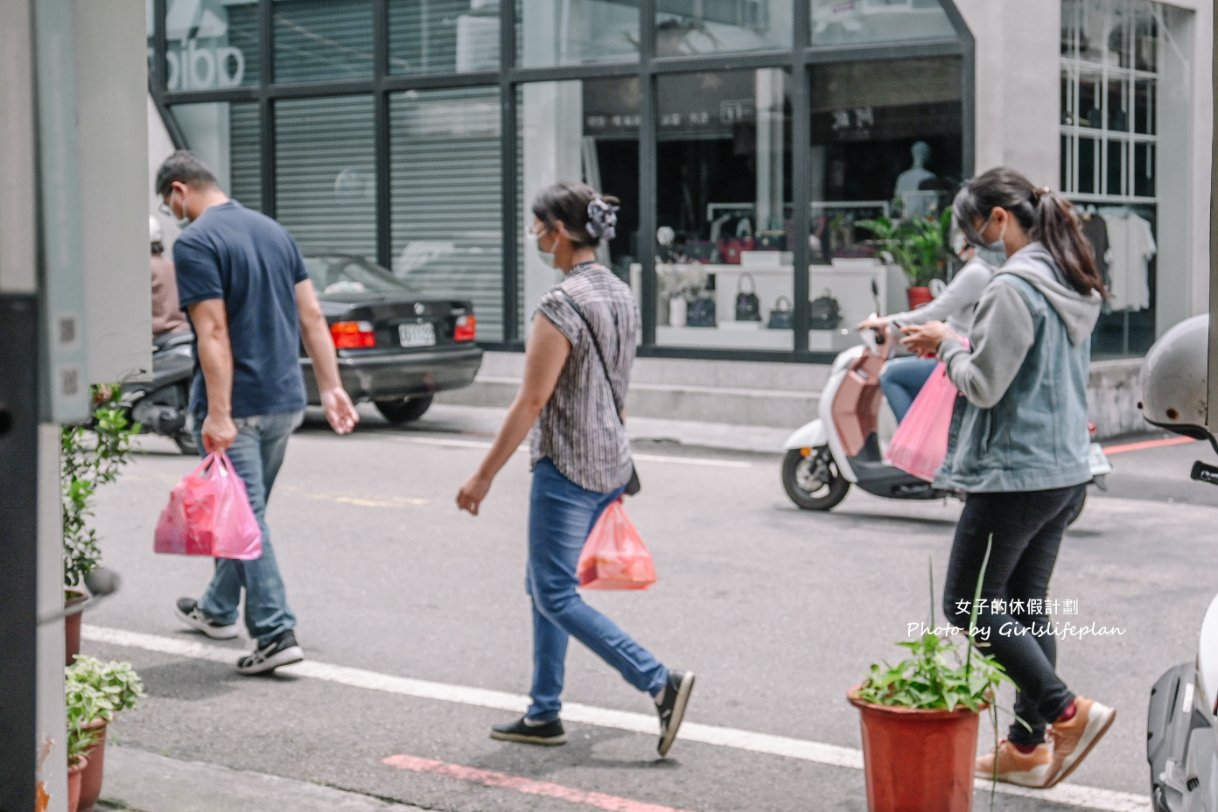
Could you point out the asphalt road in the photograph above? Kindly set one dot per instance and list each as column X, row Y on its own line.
column 778, row 611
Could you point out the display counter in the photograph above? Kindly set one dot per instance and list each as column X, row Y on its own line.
column 847, row 281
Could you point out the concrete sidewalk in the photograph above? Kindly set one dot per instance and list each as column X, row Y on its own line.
column 137, row 781
column 646, row 432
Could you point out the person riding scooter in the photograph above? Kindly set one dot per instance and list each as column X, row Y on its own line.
column 904, row 376
column 1182, row 725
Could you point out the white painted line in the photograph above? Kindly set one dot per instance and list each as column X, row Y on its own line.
column 763, row 743
column 667, row 460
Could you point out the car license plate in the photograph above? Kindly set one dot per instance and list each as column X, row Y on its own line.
column 417, row 335
column 1098, row 461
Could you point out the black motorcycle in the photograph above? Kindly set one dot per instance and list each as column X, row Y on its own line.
column 158, row 401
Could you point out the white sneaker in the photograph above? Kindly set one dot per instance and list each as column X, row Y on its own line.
column 189, row 613
column 1073, row 740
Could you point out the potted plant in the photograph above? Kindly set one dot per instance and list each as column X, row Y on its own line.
column 920, row 245
column 83, row 704
column 90, row 455
column 120, row 689
column 919, row 721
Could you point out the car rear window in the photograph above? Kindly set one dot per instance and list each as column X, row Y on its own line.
column 336, row 275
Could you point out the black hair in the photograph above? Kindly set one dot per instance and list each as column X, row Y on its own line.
column 183, row 167
column 1044, row 214
column 588, row 215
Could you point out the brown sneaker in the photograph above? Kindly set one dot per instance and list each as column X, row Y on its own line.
column 1073, row 740
column 1012, row 766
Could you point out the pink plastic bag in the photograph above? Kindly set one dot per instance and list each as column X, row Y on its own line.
column 209, row 514
column 920, row 443
column 614, row 555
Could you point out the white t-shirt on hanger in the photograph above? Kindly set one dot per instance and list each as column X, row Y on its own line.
column 1131, row 247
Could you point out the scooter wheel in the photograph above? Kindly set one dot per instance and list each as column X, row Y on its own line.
column 1078, row 511
column 813, row 482
column 186, row 443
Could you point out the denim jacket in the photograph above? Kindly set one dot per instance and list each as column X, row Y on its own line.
column 1021, row 423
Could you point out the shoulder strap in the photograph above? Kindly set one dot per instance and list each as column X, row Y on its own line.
column 599, row 353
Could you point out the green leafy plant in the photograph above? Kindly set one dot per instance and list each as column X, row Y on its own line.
column 937, row 676
column 920, row 245
column 116, row 683
column 91, row 455
column 84, row 705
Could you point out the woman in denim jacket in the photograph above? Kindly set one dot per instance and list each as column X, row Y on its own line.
column 1019, row 451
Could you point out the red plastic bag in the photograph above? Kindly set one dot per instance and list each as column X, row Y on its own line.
column 614, row 555
column 920, row 443
column 209, row 514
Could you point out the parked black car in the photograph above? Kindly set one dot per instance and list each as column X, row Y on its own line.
column 396, row 347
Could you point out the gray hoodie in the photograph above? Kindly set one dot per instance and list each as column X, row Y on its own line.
column 1025, row 378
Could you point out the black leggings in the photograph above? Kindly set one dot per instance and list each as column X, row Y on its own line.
column 1027, row 527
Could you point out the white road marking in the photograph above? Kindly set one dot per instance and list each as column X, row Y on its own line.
column 763, row 743
column 666, row 460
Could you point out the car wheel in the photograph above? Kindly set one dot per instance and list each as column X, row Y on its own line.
column 813, row 482
column 404, row 410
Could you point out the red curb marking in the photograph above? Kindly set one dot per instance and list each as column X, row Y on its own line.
column 1147, row 445
column 489, row 778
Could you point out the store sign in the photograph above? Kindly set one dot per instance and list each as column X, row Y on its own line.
column 199, row 56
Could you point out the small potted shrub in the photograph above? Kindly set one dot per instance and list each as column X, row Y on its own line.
column 120, row 689
column 919, row 721
column 90, row 455
column 84, row 703
column 920, row 245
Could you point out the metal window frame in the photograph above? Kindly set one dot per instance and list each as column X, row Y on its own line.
column 797, row 60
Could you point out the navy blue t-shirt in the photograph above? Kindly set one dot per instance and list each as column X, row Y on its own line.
column 252, row 263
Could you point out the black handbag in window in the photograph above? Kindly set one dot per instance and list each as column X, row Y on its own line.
column 701, row 312
column 824, row 312
column 781, row 317
column 748, row 306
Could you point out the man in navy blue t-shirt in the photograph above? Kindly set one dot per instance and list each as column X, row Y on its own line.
column 243, row 284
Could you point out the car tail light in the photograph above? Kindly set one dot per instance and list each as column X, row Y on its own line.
column 352, row 335
column 467, row 328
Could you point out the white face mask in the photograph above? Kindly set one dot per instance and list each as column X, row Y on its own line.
column 547, row 257
column 167, row 209
column 997, row 250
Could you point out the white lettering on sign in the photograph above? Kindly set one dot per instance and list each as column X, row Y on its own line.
column 202, row 67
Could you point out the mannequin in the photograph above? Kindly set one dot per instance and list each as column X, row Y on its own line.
column 909, row 186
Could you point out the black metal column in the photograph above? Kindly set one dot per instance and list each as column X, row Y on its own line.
column 19, row 336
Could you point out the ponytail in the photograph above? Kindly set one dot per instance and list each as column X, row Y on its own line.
column 1057, row 227
column 1045, row 215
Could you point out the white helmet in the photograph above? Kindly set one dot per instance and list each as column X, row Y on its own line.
column 154, row 230
column 1175, row 380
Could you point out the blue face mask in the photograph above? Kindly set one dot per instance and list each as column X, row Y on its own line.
column 995, row 253
column 992, row 257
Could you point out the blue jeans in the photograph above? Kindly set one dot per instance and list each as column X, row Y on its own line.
column 256, row 455
column 902, row 380
column 561, row 515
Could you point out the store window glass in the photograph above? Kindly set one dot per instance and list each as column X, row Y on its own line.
column 586, row 131
column 689, row 27
column 868, row 22
column 227, row 137
column 443, row 36
column 886, row 144
column 576, row 32
column 1115, row 60
column 446, row 210
column 212, row 44
column 322, row 41
column 325, row 180
column 724, row 272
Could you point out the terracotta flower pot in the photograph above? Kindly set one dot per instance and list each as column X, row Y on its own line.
column 71, row 625
column 74, row 776
column 918, row 296
column 917, row 759
column 91, row 778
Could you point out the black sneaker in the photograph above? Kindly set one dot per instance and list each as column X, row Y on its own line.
column 188, row 612
column 547, row 733
column 279, row 652
column 672, row 708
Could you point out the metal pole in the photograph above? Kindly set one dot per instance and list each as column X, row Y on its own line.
column 1212, row 415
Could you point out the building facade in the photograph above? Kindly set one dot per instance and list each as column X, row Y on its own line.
column 745, row 139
